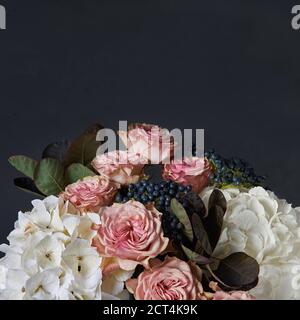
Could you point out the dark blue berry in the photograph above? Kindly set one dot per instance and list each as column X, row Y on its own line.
column 141, row 190
column 119, row 198
column 131, row 187
column 181, row 188
column 161, row 202
column 171, row 192
column 144, row 198
column 144, row 183
column 150, row 189
column 162, row 185
column 155, row 193
column 172, row 185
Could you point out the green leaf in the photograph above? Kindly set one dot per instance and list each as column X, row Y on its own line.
column 214, row 220
column 201, row 234
column 83, row 149
column 77, row 171
column 49, row 176
column 238, row 271
column 27, row 185
column 183, row 217
column 24, row 164
column 194, row 256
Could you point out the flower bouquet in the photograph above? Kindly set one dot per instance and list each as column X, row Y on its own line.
column 125, row 224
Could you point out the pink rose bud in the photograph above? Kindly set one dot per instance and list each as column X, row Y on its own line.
column 172, row 279
column 119, row 166
column 91, row 193
column 150, row 142
column 130, row 232
column 192, row 171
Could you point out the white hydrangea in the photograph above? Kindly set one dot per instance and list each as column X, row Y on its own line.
column 258, row 223
column 50, row 256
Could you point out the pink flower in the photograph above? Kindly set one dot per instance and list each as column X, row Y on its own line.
column 231, row 295
column 91, row 193
column 189, row 171
column 130, row 232
column 172, row 279
column 119, row 166
column 151, row 142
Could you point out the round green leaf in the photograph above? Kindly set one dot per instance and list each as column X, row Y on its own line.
column 77, row 171
column 24, row 164
column 238, row 271
column 49, row 176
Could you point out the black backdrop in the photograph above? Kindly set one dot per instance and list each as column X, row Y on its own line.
column 230, row 67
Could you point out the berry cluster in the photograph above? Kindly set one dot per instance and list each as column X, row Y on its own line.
column 233, row 171
column 160, row 193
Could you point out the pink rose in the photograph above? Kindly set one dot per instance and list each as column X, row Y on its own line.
column 231, row 295
column 130, row 232
column 172, row 279
column 189, row 171
column 91, row 193
column 149, row 141
column 119, row 166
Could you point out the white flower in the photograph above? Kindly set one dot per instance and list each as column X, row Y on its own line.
column 266, row 228
column 81, row 226
column 113, row 279
column 81, row 258
column 246, row 225
column 14, row 285
column 3, row 272
column 43, row 285
column 50, row 255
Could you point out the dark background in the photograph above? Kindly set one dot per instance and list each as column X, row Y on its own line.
column 230, row 67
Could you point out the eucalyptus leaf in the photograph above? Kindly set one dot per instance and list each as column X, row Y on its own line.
column 183, row 217
column 214, row 220
column 238, row 271
column 83, row 149
column 194, row 256
column 201, row 234
column 195, row 204
column 56, row 150
column 28, row 185
column 24, row 164
column 77, row 171
column 49, row 176
column 217, row 198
